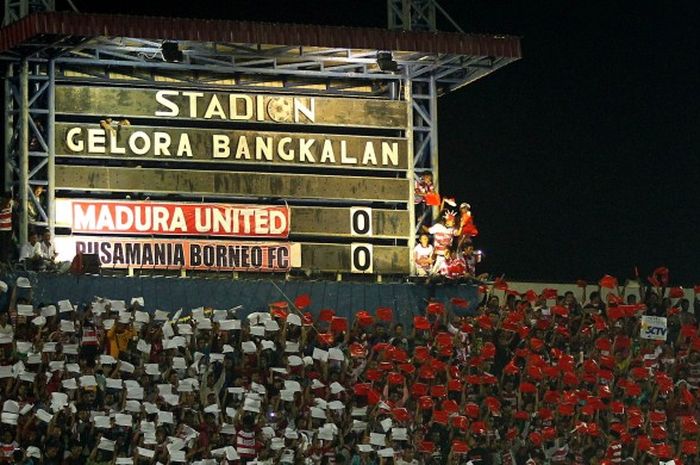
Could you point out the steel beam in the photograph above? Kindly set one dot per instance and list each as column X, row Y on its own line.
column 408, row 96
column 50, row 135
column 8, row 107
column 434, row 133
column 24, row 151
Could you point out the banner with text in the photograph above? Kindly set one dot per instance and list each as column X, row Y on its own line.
column 165, row 144
column 653, row 327
column 231, row 106
column 177, row 254
column 170, row 218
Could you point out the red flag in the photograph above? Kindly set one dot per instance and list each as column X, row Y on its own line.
column 373, row 397
column 531, row 296
column 689, row 446
column 395, row 378
column 385, row 313
column 459, row 302
column 697, row 289
column 450, row 406
column 535, row 438
column 357, row 350
column 608, row 282
column 459, row 447
column 419, row 389
column 676, row 293
column 426, row 402
column 400, row 414
column 614, row 313
column 426, row 446
column 528, row 388
column 662, row 274
column 326, row 315
column 549, row 294
column 689, row 425
column 460, row 422
column 441, row 417
column 302, row 301
column 364, row 318
column 421, row 322
column 339, row 324
column 307, row 319
column 325, row 338
column 439, row 390
column 688, row 330
column 500, row 284
column 432, row 199
column 484, row 321
column 279, row 309
column 560, row 311
column 436, row 308
column 614, row 299
column 361, row 389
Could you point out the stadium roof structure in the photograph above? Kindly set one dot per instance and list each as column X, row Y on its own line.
column 286, row 50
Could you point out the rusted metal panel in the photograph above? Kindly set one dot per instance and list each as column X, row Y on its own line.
column 225, row 183
column 336, row 222
column 93, row 25
column 335, row 258
column 166, row 144
column 226, row 106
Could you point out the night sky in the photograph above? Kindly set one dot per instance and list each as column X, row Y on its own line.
column 579, row 160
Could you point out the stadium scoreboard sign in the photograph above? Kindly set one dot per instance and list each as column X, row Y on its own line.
column 330, row 157
column 231, row 106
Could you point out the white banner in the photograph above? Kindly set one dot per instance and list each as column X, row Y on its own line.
column 654, row 327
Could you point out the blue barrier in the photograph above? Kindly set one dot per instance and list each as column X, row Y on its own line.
column 171, row 294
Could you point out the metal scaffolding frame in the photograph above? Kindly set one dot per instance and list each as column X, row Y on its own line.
column 18, row 9
column 44, row 62
column 29, row 140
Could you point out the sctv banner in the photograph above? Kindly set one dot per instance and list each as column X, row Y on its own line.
column 654, row 327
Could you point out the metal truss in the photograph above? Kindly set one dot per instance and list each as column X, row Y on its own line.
column 306, row 69
column 29, row 141
column 412, row 15
column 416, row 15
column 18, row 9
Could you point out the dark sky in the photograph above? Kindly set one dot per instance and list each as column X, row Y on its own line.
column 579, row 160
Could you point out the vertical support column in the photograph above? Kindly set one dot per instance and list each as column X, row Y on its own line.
column 8, row 106
column 23, row 151
column 434, row 132
column 408, row 96
column 50, row 143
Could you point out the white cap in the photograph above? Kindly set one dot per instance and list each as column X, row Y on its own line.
column 23, row 283
column 33, row 451
column 465, row 205
column 3, row 286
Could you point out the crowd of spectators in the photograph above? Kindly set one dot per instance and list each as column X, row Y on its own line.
column 523, row 379
column 451, row 254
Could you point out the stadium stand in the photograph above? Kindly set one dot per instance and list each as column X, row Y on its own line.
column 524, row 379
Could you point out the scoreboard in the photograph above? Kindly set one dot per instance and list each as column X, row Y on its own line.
column 177, row 178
